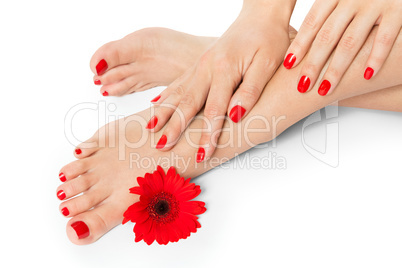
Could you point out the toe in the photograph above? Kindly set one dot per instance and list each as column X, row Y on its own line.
column 86, row 148
column 122, row 87
column 117, row 74
column 111, row 55
column 76, row 186
column 91, row 198
column 89, row 226
column 74, row 169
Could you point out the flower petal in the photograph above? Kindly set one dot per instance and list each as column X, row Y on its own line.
column 188, row 195
column 161, row 171
column 193, row 207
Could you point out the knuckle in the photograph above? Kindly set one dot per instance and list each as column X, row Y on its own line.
column 309, row 68
column 310, row 21
column 324, row 35
column 348, row 43
column 386, row 39
column 250, row 91
column 179, row 90
column 333, row 74
column 212, row 110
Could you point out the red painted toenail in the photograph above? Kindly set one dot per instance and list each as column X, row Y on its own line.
column 152, row 122
column 156, row 98
column 62, row 177
column 105, row 94
column 65, row 211
column 161, row 143
column 78, row 151
column 81, row 229
column 61, row 195
column 200, row 154
column 101, row 67
column 97, row 82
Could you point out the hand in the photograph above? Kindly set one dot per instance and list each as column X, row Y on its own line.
column 244, row 58
column 343, row 24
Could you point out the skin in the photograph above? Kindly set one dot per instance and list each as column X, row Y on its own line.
column 344, row 25
column 103, row 172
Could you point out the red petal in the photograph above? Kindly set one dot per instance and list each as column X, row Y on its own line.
column 138, row 238
column 149, row 237
column 158, row 181
column 171, row 172
column 193, row 207
column 161, row 171
column 188, row 195
column 136, row 190
column 177, row 183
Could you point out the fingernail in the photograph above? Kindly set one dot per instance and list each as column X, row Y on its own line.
column 289, row 61
column 237, row 113
column 65, row 211
column 78, row 151
column 156, row 98
column 105, row 93
column 324, row 88
column 62, row 177
column 81, row 229
column 304, row 84
column 97, row 82
column 368, row 73
column 101, row 67
column 61, row 195
column 200, row 154
column 162, row 142
column 152, row 122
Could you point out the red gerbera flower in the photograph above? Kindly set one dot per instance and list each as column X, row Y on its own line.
column 164, row 212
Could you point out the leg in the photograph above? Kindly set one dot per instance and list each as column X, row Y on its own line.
column 110, row 161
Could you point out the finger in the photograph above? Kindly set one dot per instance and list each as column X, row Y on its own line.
column 167, row 104
column 249, row 91
column 308, row 31
column 214, row 114
column 172, row 87
column 388, row 31
column 348, row 47
column 190, row 104
column 326, row 40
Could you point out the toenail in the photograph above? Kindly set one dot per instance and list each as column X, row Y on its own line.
column 97, row 82
column 81, row 229
column 65, row 211
column 61, row 195
column 62, row 177
column 162, row 142
column 156, row 98
column 78, row 151
column 101, row 67
column 105, row 93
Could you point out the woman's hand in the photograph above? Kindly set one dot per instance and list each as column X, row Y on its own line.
column 244, row 58
column 344, row 24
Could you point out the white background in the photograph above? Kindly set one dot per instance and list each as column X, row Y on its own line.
column 308, row 215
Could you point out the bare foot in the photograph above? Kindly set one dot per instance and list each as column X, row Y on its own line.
column 144, row 59
column 148, row 58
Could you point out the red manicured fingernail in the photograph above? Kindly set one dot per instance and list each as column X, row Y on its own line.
column 304, row 84
column 200, row 154
column 152, row 122
column 62, row 177
column 78, row 151
column 156, row 98
column 81, row 229
column 105, row 94
column 324, row 88
column 289, row 61
column 97, row 82
column 368, row 73
column 61, row 195
column 162, row 142
column 237, row 113
column 65, row 211
column 101, row 67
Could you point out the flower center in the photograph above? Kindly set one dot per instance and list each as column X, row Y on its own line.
column 163, row 208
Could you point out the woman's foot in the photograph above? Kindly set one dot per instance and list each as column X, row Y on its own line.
column 144, row 59
column 148, row 58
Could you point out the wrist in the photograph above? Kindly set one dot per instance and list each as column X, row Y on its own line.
column 278, row 10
